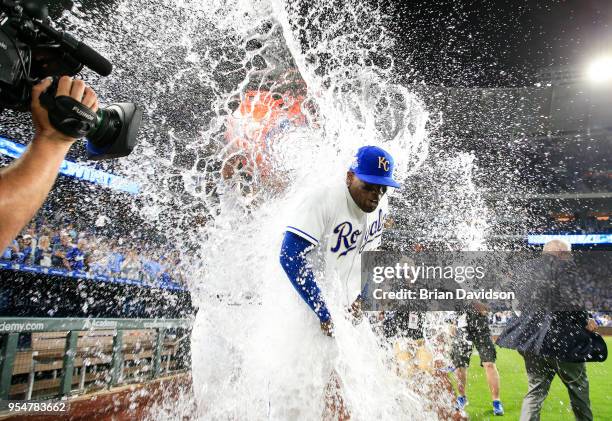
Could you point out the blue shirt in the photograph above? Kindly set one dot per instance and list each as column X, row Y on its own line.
column 25, row 255
column 151, row 268
column 76, row 258
column 6, row 255
column 114, row 262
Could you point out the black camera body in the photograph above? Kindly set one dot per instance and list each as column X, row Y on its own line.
column 31, row 50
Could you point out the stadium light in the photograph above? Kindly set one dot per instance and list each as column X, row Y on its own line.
column 600, row 70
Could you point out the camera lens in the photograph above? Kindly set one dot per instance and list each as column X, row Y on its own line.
column 115, row 133
column 107, row 129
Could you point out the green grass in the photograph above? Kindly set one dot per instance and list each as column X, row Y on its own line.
column 514, row 386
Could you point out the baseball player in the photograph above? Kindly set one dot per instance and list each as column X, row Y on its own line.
column 323, row 242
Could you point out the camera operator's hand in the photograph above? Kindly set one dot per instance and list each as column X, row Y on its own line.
column 26, row 182
column 77, row 89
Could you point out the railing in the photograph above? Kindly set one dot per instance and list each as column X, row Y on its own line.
column 78, row 348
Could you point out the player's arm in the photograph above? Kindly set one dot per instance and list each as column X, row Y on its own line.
column 293, row 260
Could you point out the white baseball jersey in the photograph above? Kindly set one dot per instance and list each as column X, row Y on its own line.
column 332, row 221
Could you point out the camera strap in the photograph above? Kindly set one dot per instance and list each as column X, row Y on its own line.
column 68, row 115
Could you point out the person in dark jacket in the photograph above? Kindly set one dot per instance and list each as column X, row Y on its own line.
column 553, row 342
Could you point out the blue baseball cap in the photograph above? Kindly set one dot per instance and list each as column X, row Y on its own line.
column 375, row 166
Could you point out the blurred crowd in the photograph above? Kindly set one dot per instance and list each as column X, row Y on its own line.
column 577, row 223
column 84, row 251
column 603, row 319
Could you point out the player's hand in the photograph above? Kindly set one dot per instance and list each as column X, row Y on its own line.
column 356, row 311
column 591, row 325
column 76, row 89
column 328, row 328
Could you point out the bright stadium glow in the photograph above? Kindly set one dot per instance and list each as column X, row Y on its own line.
column 600, row 70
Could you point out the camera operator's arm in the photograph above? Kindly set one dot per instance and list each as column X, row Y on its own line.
column 26, row 182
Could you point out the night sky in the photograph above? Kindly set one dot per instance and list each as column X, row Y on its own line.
column 480, row 43
column 496, row 42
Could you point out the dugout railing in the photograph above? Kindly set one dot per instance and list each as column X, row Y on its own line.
column 59, row 357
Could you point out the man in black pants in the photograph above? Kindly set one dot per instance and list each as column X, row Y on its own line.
column 473, row 330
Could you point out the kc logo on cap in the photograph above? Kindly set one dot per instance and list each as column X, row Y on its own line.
column 383, row 163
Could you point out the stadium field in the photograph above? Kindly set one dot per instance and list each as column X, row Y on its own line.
column 514, row 386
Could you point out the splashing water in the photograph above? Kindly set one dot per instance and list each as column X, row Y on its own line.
column 221, row 164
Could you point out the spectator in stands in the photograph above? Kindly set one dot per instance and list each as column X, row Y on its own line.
column 61, row 250
column 98, row 259
column 11, row 252
column 31, row 230
column 151, row 268
column 27, row 252
column 166, row 275
column 103, row 259
column 16, row 247
column 44, row 252
column 26, row 182
column 130, row 267
column 72, row 232
column 55, row 238
column 45, row 230
column 76, row 256
column 115, row 258
column 8, row 252
column 174, row 267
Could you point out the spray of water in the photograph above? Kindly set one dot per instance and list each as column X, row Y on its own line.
column 214, row 181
